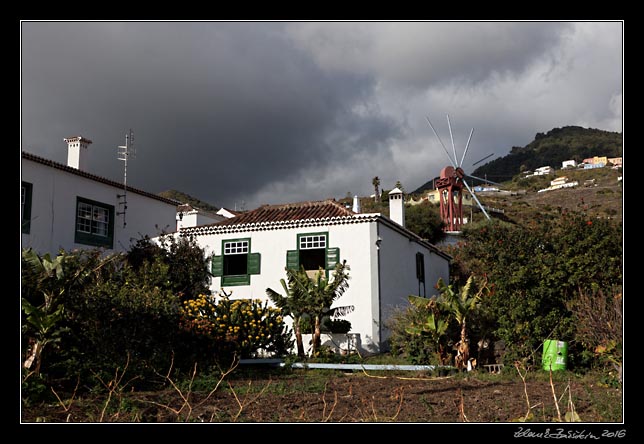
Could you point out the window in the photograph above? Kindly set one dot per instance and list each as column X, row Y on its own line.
column 313, row 253
column 420, row 272
column 25, row 206
column 235, row 258
column 94, row 223
column 236, row 264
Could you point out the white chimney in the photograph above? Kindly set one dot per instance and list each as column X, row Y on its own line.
column 397, row 206
column 77, row 152
column 356, row 204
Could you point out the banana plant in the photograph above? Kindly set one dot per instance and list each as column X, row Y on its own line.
column 434, row 325
column 461, row 305
column 52, row 282
column 294, row 302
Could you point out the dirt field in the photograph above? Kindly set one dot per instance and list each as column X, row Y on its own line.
column 335, row 397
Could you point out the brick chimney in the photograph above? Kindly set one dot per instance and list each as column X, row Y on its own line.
column 77, row 152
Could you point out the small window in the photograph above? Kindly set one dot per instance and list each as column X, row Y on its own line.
column 313, row 252
column 25, row 207
column 235, row 258
column 94, row 223
column 236, row 264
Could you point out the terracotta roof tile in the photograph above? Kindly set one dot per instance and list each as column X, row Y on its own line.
column 290, row 212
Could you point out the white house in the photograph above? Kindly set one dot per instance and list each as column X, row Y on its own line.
column 251, row 251
column 543, row 171
column 64, row 206
column 569, row 164
column 189, row 216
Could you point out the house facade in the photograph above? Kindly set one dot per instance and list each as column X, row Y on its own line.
column 250, row 252
column 64, row 206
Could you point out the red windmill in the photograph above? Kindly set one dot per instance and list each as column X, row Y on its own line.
column 450, row 185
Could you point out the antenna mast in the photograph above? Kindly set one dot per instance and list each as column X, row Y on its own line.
column 124, row 152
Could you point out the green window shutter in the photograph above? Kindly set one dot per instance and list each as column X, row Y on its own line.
column 332, row 258
column 293, row 259
column 217, row 266
column 254, row 262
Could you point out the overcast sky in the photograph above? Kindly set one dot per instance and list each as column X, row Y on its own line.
column 249, row 113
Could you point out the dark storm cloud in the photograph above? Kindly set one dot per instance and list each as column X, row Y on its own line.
column 266, row 112
column 218, row 109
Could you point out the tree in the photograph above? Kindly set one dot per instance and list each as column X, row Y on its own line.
column 322, row 293
column 433, row 324
column 188, row 270
column 46, row 277
column 376, row 185
column 461, row 304
column 400, row 186
column 312, row 296
column 424, row 220
column 534, row 271
column 294, row 303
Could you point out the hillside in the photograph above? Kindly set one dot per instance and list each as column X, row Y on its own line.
column 603, row 198
column 188, row 199
column 552, row 148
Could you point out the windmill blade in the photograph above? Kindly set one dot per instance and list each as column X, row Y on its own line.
column 449, row 125
column 467, row 145
column 479, row 161
column 477, row 200
column 484, row 180
column 439, row 139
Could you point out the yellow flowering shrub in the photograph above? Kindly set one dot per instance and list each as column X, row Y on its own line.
column 243, row 326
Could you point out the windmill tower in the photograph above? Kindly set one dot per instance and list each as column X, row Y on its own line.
column 450, row 185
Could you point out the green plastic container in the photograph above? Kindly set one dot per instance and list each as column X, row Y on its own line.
column 555, row 355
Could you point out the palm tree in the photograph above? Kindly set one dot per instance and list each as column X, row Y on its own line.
column 376, row 184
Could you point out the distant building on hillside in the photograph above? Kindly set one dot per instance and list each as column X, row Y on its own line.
column 615, row 161
column 544, row 171
column 569, row 164
column 560, row 182
column 596, row 160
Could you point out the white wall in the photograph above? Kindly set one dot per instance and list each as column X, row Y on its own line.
column 357, row 247
column 398, row 272
column 53, row 210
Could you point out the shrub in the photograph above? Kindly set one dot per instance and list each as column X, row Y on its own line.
column 242, row 327
column 188, row 271
column 535, row 271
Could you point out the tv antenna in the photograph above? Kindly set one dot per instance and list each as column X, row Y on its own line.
column 124, row 153
column 451, row 182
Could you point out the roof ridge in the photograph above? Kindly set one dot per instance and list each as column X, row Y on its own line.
column 94, row 177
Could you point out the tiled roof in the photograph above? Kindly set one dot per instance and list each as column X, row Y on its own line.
column 290, row 212
column 94, row 177
column 298, row 215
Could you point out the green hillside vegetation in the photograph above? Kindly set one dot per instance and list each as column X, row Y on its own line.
column 552, row 148
column 598, row 195
column 188, row 199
